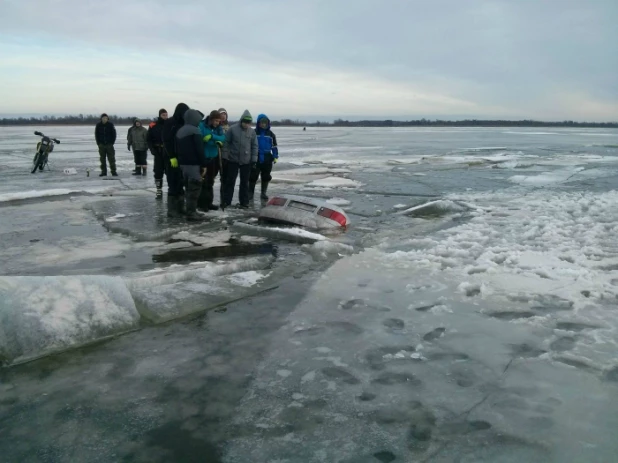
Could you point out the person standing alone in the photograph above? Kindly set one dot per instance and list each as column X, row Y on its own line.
column 105, row 136
column 137, row 138
column 155, row 144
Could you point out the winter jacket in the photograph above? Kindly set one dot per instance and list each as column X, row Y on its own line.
column 211, row 137
column 267, row 142
column 155, row 135
column 171, row 126
column 137, row 138
column 189, row 143
column 241, row 145
column 105, row 134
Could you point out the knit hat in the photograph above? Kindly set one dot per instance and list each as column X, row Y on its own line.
column 104, row 115
column 214, row 114
column 161, row 111
column 222, row 111
column 246, row 116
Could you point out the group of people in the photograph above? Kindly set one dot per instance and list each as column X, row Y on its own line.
column 190, row 149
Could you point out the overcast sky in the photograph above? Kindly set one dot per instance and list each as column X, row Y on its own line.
column 399, row 59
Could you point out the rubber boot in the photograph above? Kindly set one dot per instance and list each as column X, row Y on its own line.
column 193, row 193
column 159, row 187
column 143, row 171
column 172, row 206
column 180, row 205
column 251, row 190
column 137, row 170
column 263, row 196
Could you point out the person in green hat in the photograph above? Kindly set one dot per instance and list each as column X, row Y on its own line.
column 240, row 153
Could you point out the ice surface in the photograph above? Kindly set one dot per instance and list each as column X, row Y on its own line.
column 338, row 201
column 292, row 233
column 334, row 182
column 46, row 193
column 41, row 315
column 363, row 373
column 177, row 291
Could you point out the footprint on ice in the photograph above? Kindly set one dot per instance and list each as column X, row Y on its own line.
column 359, row 304
column 434, row 334
column 376, row 357
column 390, row 379
column 552, row 303
column 394, row 323
column 346, row 327
column 312, row 331
column 425, row 308
column 367, row 397
column 385, row 456
column 575, row 363
column 453, row 356
column 340, row 374
column 563, row 344
column 465, row 427
column 572, row 326
column 526, row 351
column 511, row 315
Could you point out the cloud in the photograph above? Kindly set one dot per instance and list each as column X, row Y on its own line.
column 395, row 59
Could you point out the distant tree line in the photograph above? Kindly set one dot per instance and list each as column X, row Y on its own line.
column 91, row 119
column 81, row 119
column 441, row 123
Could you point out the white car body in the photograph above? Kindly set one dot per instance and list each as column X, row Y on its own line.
column 305, row 212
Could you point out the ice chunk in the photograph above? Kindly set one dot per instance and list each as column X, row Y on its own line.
column 334, row 182
column 177, row 291
column 44, row 193
column 42, row 315
column 437, row 207
column 291, row 234
column 338, row 201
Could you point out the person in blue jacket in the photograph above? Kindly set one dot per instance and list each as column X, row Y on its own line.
column 213, row 137
column 268, row 154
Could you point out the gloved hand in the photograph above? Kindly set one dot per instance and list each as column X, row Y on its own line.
column 275, row 160
column 174, row 163
column 254, row 165
column 219, row 143
column 207, row 138
column 128, row 147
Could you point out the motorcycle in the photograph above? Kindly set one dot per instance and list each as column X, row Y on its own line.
column 43, row 148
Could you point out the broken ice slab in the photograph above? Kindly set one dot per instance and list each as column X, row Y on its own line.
column 43, row 315
column 178, row 291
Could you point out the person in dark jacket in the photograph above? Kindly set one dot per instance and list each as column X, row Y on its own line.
column 268, row 154
column 213, row 137
column 137, row 139
column 155, row 144
column 191, row 159
column 240, row 153
column 175, row 190
column 105, row 136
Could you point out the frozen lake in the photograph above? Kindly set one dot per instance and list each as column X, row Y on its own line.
column 467, row 315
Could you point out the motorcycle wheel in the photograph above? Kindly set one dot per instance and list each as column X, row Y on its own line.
column 36, row 162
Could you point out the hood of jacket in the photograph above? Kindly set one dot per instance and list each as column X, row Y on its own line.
column 192, row 117
column 245, row 115
column 257, row 124
column 179, row 112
